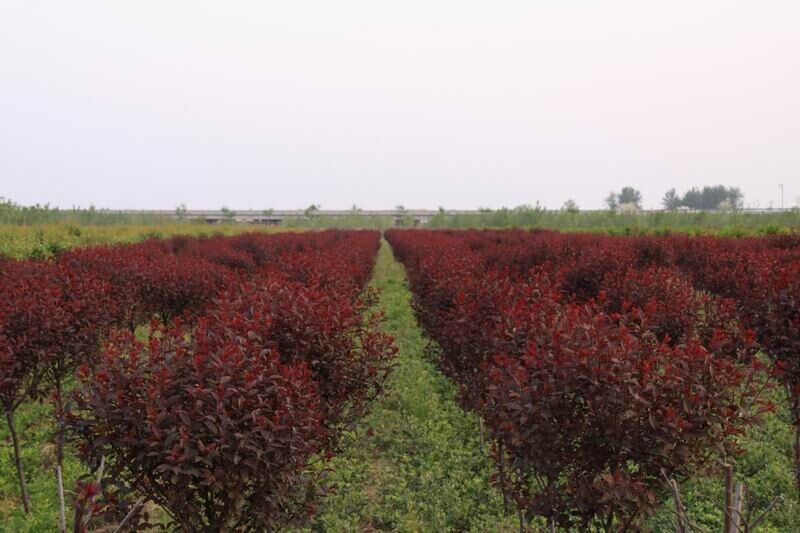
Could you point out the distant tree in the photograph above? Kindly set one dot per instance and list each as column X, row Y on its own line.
column 712, row 197
column 180, row 211
column 629, row 195
column 442, row 210
column 735, row 197
column 400, row 207
column 693, row 199
column 355, row 208
column 611, row 201
column 671, row 200
column 570, row 206
column 311, row 210
column 228, row 214
column 268, row 212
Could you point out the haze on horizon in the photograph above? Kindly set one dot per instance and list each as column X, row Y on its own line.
column 258, row 105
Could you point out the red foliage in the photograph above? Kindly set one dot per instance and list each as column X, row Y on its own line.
column 345, row 352
column 51, row 319
column 593, row 360
column 217, row 418
column 592, row 414
column 220, row 438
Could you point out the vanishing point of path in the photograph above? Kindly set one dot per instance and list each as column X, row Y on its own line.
column 415, row 462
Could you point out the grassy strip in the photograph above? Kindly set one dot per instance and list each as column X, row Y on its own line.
column 43, row 240
column 730, row 223
column 415, row 462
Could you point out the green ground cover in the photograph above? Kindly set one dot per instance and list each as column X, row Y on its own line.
column 415, row 463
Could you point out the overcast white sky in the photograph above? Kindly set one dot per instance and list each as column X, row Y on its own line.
column 431, row 103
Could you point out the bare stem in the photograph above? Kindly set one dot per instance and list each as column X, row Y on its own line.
column 23, row 485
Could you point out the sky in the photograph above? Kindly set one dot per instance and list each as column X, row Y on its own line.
column 459, row 104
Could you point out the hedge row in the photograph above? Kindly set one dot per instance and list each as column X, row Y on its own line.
column 259, row 351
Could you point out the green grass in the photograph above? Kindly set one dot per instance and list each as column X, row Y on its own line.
column 731, row 223
column 415, row 462
column 35, row 427
column 42, row 240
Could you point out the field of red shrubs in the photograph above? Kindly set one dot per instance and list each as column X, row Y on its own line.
column 604, row 366
column 206, row 375
column 216, row 377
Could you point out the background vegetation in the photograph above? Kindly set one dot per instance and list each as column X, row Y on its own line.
column 42, row 240
column 623, row 217
column 728, row 223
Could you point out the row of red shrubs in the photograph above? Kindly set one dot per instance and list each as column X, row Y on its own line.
column 601, row 365
column 260, row 350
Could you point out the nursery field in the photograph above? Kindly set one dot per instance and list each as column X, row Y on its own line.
column 434, row 380
column 44, row 240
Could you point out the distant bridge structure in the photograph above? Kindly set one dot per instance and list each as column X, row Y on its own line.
column 399, row 217
column 415, row 217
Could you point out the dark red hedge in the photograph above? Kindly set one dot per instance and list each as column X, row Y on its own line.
column 598, row 362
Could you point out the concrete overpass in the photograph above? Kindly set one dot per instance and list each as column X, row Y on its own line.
column 276, row 217
column 399, row 217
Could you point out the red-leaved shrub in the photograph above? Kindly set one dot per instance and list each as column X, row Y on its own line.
column 220, row 438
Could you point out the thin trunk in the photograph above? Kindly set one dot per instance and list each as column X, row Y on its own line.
column 502, row 472
column 795, row 411
column 679, row 510
column 738, row 505
column 23, row 485
column 62, row 519
column 797, row 445
column 130, row 516
column 729, row 504
column 609, row 521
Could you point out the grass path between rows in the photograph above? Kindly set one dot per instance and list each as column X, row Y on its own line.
column 415, row 462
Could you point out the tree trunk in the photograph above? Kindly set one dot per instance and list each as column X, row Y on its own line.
column 738, row 506
column 502, row 473
column 609, row 522
column 680, row 522
column 729, row 503
column 59, row 415
column 796, row 423
column 62, row 518
column 23, row 485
